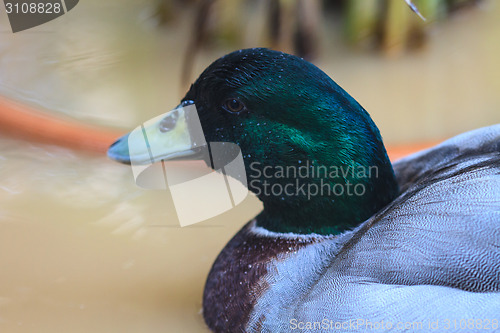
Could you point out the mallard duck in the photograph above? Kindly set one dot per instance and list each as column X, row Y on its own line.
column 414, row 246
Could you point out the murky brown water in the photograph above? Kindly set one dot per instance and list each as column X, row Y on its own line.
column 83, row 249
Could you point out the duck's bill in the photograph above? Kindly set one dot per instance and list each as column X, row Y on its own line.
column 174, row 135
column 178, row 135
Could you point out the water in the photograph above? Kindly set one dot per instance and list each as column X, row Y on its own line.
column 82, row 248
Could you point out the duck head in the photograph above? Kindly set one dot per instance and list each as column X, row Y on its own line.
column 312, row 154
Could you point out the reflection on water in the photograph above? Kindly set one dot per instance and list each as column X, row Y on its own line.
column 84, row 249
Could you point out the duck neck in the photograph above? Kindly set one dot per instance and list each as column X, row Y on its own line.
column 325, row 198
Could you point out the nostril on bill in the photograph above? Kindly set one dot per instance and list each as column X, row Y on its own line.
column 168, row 123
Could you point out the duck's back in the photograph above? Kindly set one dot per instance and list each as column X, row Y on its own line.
column 430, row 260
column 444, row 229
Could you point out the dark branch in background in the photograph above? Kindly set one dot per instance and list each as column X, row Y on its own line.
column 198, row 37
column 293, row 25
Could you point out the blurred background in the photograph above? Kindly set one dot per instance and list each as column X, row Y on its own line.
column 82, row 248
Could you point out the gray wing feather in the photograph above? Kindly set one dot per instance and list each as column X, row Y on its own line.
column 433, row 253
column 445, row 227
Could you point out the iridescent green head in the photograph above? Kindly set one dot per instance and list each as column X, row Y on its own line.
column 312, row 154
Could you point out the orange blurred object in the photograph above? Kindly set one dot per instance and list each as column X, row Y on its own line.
column 24, row 122
column 399, row 151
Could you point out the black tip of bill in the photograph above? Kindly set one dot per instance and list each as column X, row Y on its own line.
column 119, row 151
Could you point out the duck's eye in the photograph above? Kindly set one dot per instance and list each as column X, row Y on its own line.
column 233, row 105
